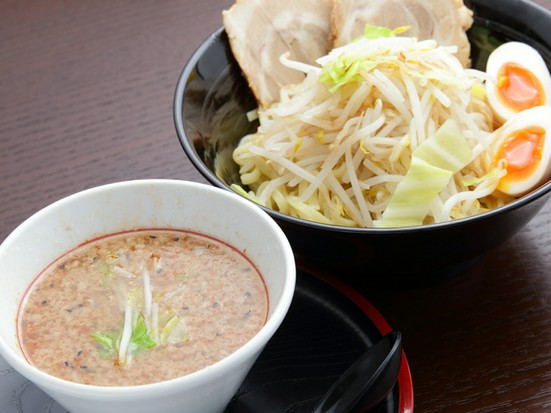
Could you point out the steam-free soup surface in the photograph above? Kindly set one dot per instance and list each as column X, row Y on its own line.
column 141, row 307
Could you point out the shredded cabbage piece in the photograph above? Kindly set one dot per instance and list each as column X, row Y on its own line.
column 433, row 164
column 349, row 67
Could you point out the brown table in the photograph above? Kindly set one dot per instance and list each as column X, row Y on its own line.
column 85, row 99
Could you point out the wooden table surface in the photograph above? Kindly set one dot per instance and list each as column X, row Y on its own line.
column 86, row 92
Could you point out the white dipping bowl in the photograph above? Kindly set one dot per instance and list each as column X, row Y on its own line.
column 116, row 207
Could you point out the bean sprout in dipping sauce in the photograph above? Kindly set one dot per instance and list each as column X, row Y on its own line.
column 141, row 307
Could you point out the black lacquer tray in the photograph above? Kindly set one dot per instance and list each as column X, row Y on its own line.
column 328, row 326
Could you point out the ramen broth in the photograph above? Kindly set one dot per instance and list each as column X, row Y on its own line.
column 141, row 307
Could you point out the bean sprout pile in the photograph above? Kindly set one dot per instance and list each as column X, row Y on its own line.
column 336, row 146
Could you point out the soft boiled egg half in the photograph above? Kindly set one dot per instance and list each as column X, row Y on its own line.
column 524, row 150
column 518, row 79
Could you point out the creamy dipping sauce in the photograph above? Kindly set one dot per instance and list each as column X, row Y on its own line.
column 141, row 307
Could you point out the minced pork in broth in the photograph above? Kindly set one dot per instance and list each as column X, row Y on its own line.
column 141, row 307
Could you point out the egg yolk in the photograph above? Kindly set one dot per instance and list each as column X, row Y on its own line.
column 518, row 88
column 522, row 152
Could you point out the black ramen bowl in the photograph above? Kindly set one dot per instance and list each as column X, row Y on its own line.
column 210, row 106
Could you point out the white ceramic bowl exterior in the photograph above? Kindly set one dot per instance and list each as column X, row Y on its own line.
column 146, row 204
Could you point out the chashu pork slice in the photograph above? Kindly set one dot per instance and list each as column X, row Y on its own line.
column 260, row 31
column 446, row 21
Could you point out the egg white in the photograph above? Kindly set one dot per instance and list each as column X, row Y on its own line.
column 523, row 55
column 539, row 116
